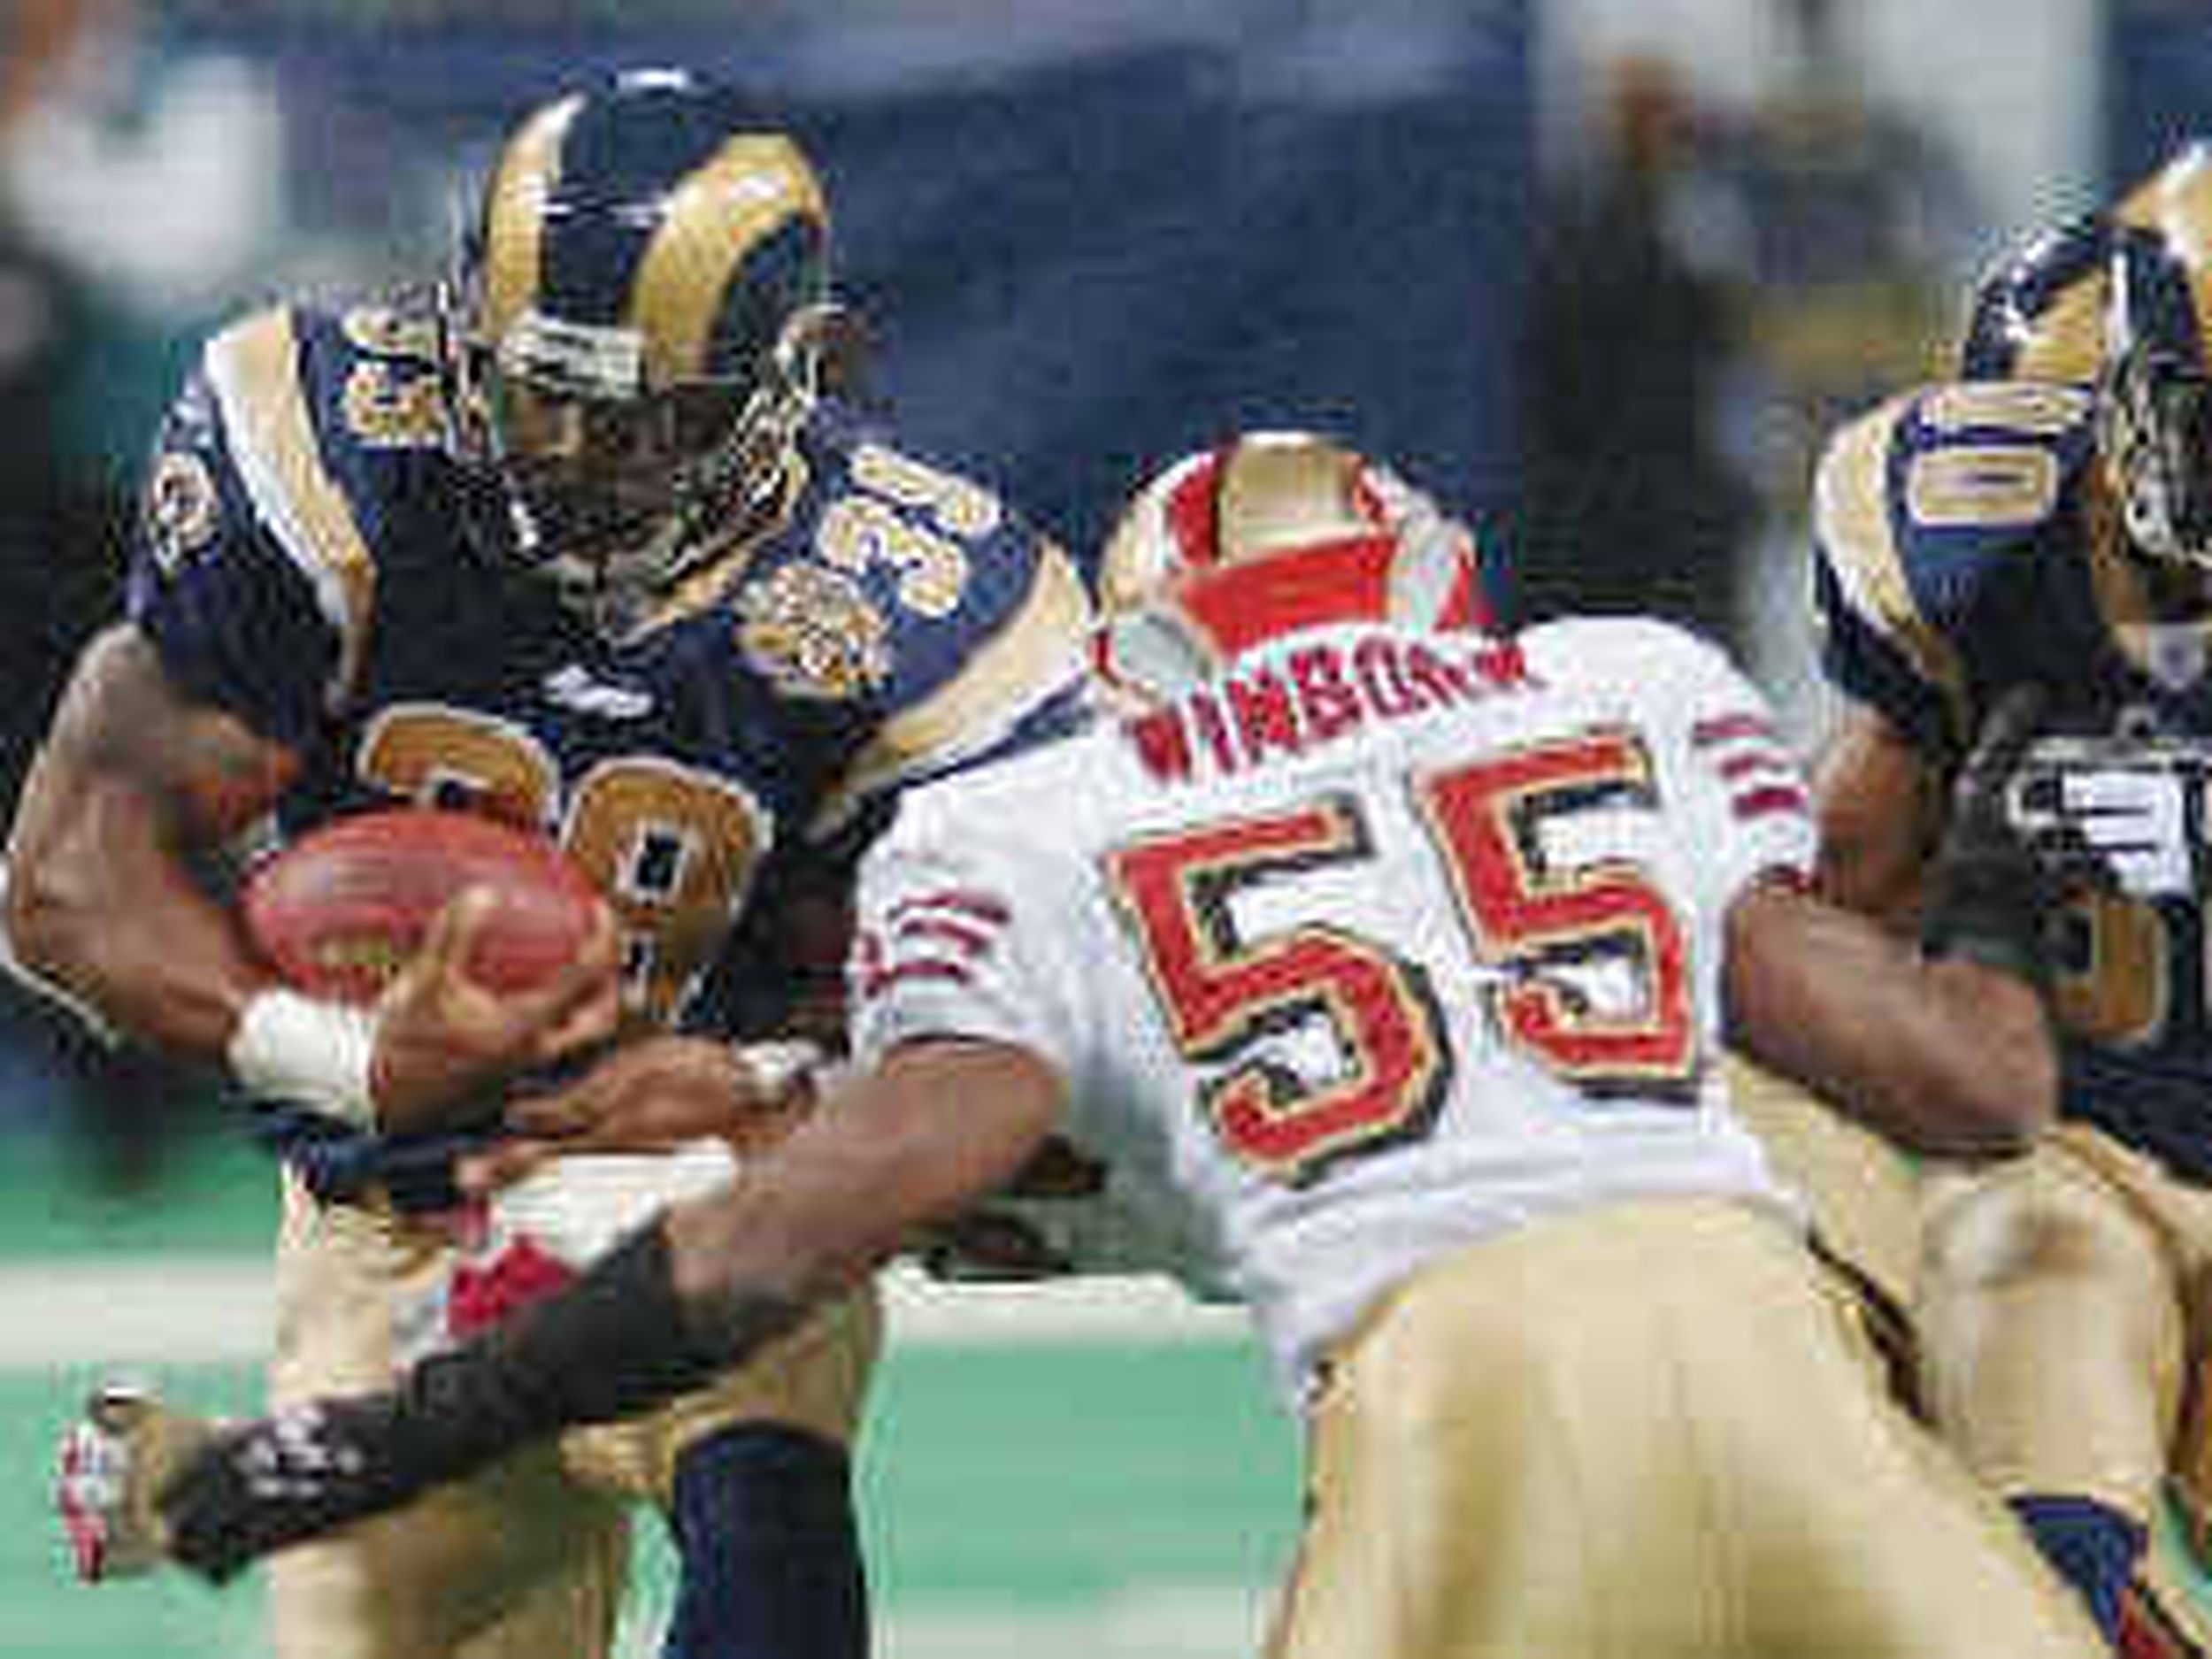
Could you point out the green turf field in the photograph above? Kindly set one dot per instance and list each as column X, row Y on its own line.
column 1107, row 1499
column 1026, row 1489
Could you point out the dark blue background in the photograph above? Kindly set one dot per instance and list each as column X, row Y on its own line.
column 1080, row 258
column 2158, row 83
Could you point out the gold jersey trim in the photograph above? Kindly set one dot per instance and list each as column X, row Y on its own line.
column 1851, row 514
column 1037, row 650
column 255, row 371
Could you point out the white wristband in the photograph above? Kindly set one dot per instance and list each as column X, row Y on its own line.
column 305, row 1049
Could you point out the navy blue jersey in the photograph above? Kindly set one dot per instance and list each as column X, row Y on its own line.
column 304, row 564
column 1968, row 542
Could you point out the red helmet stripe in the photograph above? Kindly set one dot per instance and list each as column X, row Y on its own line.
column 1238, row 605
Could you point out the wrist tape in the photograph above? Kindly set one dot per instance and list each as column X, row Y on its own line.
column 307, row 1050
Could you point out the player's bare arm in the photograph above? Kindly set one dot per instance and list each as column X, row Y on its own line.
column 1967, row 1065
column 1880, row 807
column 135, row 792
column 788, row 1233
column 135, row 786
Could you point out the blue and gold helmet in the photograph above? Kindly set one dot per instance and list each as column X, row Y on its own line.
column 2039, row 312
column 638, row 320
column 2122, row 299
column 2154, row 396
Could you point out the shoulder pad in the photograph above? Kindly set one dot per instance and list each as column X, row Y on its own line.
column 1921, row 503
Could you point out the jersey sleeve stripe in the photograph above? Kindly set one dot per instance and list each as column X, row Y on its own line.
column 941, row 930
column 1752, row 763
column 880, row 980
column 1732, row 727
column 254, row 370
column 1778, row 799
column 981, row 907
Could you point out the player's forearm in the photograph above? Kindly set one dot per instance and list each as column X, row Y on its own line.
column 1948, row 1057
column 133, row 781
column 99, row 906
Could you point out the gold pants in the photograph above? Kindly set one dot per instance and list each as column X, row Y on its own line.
column 1651, row 1430
column 529, row 1560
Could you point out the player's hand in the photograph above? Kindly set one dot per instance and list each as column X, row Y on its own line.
column 654, row 1094
column 1991, row 886
column 443, row 1037
column 253, row 1488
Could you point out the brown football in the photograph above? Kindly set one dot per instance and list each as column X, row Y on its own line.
column 338, row 912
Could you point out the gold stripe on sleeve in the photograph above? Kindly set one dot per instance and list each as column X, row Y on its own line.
column 255, row 370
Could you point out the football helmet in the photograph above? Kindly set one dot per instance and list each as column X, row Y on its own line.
column 2123, row 299
column 636, row 328
column 2039, row 312
column 1266, row 534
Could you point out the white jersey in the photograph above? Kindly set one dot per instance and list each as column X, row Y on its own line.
column 1377, row 945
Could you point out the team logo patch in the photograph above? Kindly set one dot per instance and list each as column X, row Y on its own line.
column 182, row 508
column 812, row 634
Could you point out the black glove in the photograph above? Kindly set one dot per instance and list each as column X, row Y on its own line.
column 280, row 1479
column 617, row 1342
column 1990, row 887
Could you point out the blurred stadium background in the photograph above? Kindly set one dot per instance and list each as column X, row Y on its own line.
column 1087, row 236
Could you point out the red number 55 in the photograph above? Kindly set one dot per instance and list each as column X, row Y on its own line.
column 1542, row 926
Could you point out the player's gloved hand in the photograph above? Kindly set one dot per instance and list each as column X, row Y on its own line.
column 2119, row 822
column 111, row 1464
column 254, row 1487
column 1991, row 885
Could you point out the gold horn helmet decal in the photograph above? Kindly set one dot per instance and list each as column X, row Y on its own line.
column 637, row 321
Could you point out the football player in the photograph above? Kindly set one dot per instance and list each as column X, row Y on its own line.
column 2049, row 518
column 580, row 539
column 1388, row 960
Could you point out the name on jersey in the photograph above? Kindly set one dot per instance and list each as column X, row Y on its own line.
column 1314, row 695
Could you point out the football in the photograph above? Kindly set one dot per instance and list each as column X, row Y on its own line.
column 338, row 912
